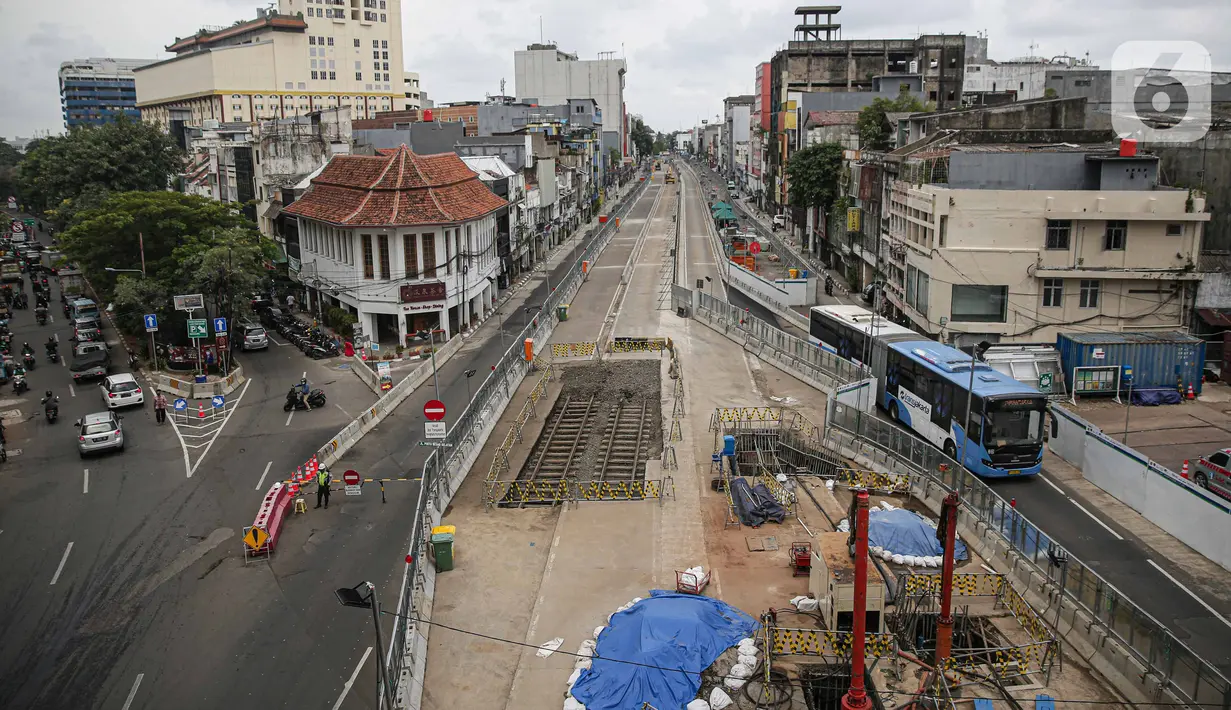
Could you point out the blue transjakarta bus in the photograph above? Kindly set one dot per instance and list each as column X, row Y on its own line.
column 923, row 385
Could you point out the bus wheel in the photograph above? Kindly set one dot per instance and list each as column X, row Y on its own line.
column 893, row 411
column 950, row 449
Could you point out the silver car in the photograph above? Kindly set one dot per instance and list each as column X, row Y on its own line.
column 100, row 432
column 254, row 337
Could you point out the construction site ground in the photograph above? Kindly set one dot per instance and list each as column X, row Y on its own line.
column 525, row 576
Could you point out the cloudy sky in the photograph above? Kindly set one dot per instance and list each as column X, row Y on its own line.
column 684, row 56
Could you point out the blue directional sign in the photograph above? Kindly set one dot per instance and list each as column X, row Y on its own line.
column 218, row 401
column 151, row 322
column 220, row 326
column 180, row 404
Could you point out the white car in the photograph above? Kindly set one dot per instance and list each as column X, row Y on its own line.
column 122, row 391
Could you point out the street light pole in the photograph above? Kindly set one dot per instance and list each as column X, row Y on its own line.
column 432, row 352
column 469, row 374
column 970, row 395
column 350, row 596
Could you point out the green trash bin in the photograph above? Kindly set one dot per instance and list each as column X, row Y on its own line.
column 442, row 550
column 562, row 311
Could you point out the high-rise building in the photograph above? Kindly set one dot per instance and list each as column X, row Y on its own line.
column 97, row 90
column 306, row 55
column 546, row 76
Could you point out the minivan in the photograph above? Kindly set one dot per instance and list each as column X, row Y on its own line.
column 254, row 337
column 84, row 307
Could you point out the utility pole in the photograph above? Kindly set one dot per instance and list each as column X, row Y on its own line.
column 435, row 381
column 856, row 697
column 946, row 534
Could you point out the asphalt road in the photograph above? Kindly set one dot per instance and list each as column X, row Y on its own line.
column 1094, row 537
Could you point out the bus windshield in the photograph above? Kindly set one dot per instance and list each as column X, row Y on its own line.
column 1014, row 422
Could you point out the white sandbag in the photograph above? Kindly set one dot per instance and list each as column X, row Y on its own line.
column 719, row 700
column 583, row 663
column 688, row 578
column 573, row 678
column 573, row 704
column 934, row 561
column 549, row 647
column 898, row 559
column 876, row 550
column 739, row 670
column 748, row 660
column 585, row 651
column 697, row 704
column 634, row 601
column 748, row 641
column 885, row 504
column 698, row 570
column 887, row 555
column 804, row 603
column 598, row 630
column 734, row 683
column 829, row 484
column 910, row 560
column 588, row 643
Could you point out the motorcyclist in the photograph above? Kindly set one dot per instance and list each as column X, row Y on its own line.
column 50, row 402
column 52, row 345
column 26, row 349
column 303, row 390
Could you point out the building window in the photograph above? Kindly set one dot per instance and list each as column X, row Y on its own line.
column 314, row 76
column 1175, row 230
column 382, row 4
column 302, row 86
column 311, row 41
column 386, row 78
column 358, row 76
column 1089, row 293
column 376, row 66
column 410, row 255
column 384, row 55
column 333, row 76
column 358, row 65
column 429, row 255
column 979, row 304
column 384, row 44
column 367, row 256
column 330, row 41
column 383, row 243
column 356, row 42
column 385, row 67
column 1058, row 231
column 449, row 251
column 376, row 54
column 1053, row 293
column 375, row 44
column 237, row 107
column 1116, row 235
column 382, row 17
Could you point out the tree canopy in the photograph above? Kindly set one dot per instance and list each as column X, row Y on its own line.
column 122, row 156
column 813, row 174
column 642, row 137
column 875, row 133
column 9, row 158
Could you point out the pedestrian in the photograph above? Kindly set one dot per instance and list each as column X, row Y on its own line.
column 323, row 479
column 290, row 303
column 160, row 406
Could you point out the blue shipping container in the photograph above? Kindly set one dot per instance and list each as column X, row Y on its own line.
column 1157, row 359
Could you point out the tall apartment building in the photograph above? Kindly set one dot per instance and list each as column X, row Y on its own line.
column 758, row 137
column 305, row 56
column 545, row 75
column 737, row 117
column 1016, row 243
column 96, row 90
column 414, row 97
column 1016, row 80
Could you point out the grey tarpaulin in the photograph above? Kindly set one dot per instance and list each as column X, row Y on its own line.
column 755, row 505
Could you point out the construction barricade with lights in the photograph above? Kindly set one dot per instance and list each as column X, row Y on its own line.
column 556, row 490
column 819, row 642
column 585, row 349
column 621, row 344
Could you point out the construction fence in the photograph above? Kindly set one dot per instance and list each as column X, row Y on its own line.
column 570, row 490
column 585, row 349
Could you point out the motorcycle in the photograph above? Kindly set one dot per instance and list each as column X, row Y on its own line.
column 20, row 385
column 40, row 315
column 30, row 360
column 51, row 409
column 53, row 356
column 316, row 398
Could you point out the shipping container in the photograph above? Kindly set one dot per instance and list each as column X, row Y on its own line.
column 1159, row 360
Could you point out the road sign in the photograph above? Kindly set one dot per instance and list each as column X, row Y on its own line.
column 220, row 326
column 18, row 227
column 197, row 328
column 222, row 342
column 434, row 410
column 351, row 478
column 12, row 203
column 1098, row 354
column 755, row 247
column 1045, row 382
column 218, row 401
column 437, row 444
column 180, row 404
column 255, row 538
column 189, row 302
column 435, row 430
column 151, row 322
column 29, row 223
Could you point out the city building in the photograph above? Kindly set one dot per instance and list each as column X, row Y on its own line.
column 1017, row 243
column 758, row 139
column 737, row 117
column 498, row 118
column 414, row 95
column 547, row 76
column 512, row 220
column 832, row 127
column 301, row 57
column 97, row 90
column 404, row 242
column 1015, row 80
column 464, row 112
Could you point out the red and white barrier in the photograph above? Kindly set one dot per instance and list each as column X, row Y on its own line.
column 271, row 515
column 1184, row 471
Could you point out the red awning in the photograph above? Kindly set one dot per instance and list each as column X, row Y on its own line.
column 1217, row 317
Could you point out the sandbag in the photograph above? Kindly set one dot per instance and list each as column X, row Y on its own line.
column 573, row 704
column 734, row 683
column 573, row 678
column 697, row 704
column 719, row 699
column 739, row 670
column 598, row 630
column 748, row 660
column 747, row 642
column 583, row 663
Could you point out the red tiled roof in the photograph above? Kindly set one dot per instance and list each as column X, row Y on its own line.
column 833, row 118
column 398, row 189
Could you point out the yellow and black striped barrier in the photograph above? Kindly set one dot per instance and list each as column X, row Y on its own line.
column 620, row 344
column 873, row 480
column 748, row 414
column 564, row 490
column 964, row 585
column 809, row 642
column 584, row 349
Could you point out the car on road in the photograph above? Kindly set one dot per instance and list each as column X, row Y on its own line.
column 254, row 337
column 121, row 390
column 90, row 365
column 1213, row 473
column 102, row 431
column 780, row 221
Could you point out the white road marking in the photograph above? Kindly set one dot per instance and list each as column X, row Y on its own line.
column 346, row 688
column 263, row 475
column 63, row 559
column 1100, row 522
column 63, row 362
column 85, row 482
column 1200, row 601
column 348, row 416
column 1053, row 485
column 133, row 693
column 72, row 391
column 288, row 418
column 275, row 340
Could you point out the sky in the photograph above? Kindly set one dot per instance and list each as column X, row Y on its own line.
column 683, row 56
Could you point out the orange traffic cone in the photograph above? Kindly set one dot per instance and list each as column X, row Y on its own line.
column 1191, row 395
column 1184, row 471
column 200, row 411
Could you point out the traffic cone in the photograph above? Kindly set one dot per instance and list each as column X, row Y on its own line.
column 1184, row 471
column 200, row 411
column 1191, row 394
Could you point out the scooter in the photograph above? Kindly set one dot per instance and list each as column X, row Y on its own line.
column 53, row 356
column 316, row 398
column 51, row 409
column 30, row 360
column 20, row 385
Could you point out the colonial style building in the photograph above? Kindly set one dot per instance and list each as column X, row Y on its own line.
column 405, row 242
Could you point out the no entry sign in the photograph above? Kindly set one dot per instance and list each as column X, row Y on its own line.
column 755, row 247
column 351, row 477
column 434, row 410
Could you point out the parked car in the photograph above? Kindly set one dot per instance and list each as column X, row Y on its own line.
column 99, row 432
column 1213, row 473
column 779, row 221
column 121, row 390
column 254, row 337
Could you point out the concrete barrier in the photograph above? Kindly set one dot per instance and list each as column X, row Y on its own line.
column 186, row 388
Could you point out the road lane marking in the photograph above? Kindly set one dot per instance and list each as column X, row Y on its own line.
column 346, row 688
column 133, row 693
column 348, row 416
column 263, row 475
column 1058, row 488
column 1188, row 591
column 85, row 485
column 275, row 340
column 72, row 391
column 225, row 419
column 63, row 559
column 288, row 418
column 1100, row 522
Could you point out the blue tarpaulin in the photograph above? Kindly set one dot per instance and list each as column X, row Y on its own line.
column 1155, row 397
column 904, row 532
column 661, row 636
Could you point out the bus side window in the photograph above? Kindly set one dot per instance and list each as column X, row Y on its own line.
column 942, row 403
column 1055, row 426
column 906, row 375
column 892, row 368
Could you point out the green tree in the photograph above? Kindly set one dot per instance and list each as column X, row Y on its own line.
column 875, row 133
column 9, row 158
column 814, row 174
column 116, row 157
column 642, row 137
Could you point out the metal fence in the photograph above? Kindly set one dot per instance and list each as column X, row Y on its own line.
column 438, row 483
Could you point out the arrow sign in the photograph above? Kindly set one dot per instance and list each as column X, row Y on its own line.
column 220, row 326
column 151, row 322
column 434, row 410
column 218, row 401
column 180, row 404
